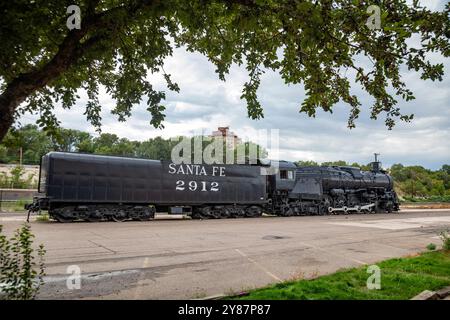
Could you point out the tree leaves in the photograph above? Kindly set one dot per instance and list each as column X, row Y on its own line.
column 313, row 43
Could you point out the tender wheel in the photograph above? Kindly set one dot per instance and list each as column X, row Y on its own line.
column 93, row 219
column 207, row 213
column 197, row 215
column 240, row 212
column 119, row 215
column 202, row 213
column 225, row 213
column 61, row 218
column 146, row 214
column 253, row 212
column 219, row 212
column 64, row 215
column 94, row 216
column 216, row 213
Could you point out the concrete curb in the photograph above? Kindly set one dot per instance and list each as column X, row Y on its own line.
column 444, row 292
column 223, row 295
column 433, row 295
column 213, row 297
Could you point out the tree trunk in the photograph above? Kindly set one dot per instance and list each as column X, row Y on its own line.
column 7, row 109
column 18, row 90
column 15, row 93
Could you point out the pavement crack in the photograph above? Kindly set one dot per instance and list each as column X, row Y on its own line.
column 333, row 254
column 270, row 274
column 98, row 235
column 102, row 246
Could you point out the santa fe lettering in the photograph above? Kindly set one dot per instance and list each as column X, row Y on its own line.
column 196, row 170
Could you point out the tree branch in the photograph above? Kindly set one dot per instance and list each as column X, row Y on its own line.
column 69, row 51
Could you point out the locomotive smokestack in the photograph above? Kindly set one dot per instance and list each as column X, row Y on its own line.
column 376, row 165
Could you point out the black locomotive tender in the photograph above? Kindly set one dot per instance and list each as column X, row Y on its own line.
column 98, row 188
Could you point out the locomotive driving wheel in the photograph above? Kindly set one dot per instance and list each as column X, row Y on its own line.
column 327, row 203
column 286, row 210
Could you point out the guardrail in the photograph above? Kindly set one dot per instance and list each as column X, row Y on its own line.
column 14, row 195
column 17, row 194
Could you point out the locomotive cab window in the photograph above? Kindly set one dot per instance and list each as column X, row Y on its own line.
column 286, row 175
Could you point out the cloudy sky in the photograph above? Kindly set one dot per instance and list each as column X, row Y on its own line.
column 205, row 102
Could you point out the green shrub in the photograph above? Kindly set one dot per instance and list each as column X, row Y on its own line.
column 431, row 246
column 20, row 275
column 445, row 240
column 13, row 206
column 16, row 179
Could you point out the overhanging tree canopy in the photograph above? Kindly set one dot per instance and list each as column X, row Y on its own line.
column 310, row 42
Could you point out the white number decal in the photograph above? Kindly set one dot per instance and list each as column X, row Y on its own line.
column 180, row 185
column 214, row 186
column 192, row 185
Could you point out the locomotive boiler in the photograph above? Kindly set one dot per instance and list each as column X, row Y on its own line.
column 89, row 187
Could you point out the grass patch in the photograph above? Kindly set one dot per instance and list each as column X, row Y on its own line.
column 445, row 198
column 43, row 217
column 401, row 279
column 14, row 206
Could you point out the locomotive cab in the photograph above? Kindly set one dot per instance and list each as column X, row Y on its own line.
column 284, row 177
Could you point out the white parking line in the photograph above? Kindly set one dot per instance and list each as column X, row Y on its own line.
column 398, row 224
column 140, row 284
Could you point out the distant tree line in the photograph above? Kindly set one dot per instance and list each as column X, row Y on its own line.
column 333, row 163
column 411, row 182
column 415, row 182
column 28, row 144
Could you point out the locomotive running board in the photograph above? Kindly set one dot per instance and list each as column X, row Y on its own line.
column 344, row 209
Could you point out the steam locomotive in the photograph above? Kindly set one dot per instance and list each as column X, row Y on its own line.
column 100, row 188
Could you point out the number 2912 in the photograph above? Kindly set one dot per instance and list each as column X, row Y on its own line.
column 194, row 185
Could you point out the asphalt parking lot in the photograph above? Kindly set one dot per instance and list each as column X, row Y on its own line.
column 174, row 258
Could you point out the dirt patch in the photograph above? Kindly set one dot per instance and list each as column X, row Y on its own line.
column 437, row 205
